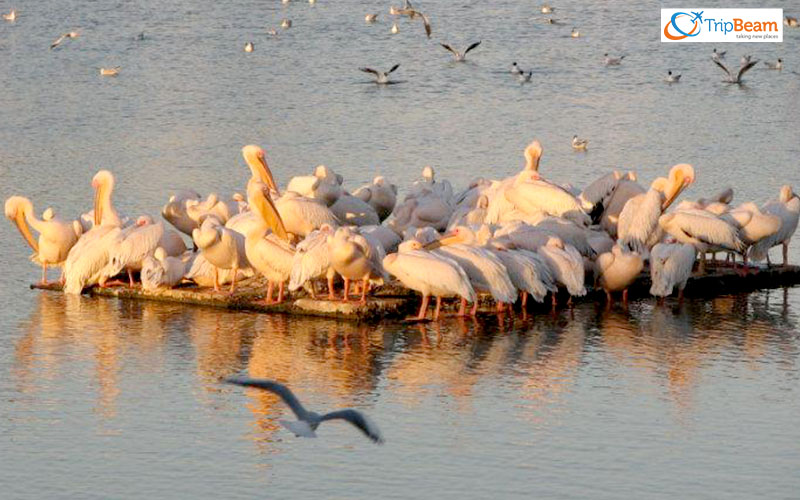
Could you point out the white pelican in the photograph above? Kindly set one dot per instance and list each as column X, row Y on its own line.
column 528, row 271
column 579, row 144
column 212, row 205
column 110, row 71
column 162, row 271
column 672, row 78
column 370, row 18
column 637, row 227
column 354, row 211
column 381, row 195
column 381, row 77
column 670, row 266
column 626, row 188
column 737, row 78
column 222, row 247
column 354, row 258
column 778, row 65
column 56, row 237
column 460, row 56
column 65, row 36
column 612, row 61
column 485, row 270
column 312, row 260
column 567, row 266
column 595, row 197
column 466, row 216
column 617, row 270
column 787, row 208
column 524, row 236
column 568, row 232
column 531, row 196
column 753, row 224
column 322, row 185
column 302, row 215
column 249, row 47
column 384, row 235
column 203, row 273
column 175, row 211
column 428, row 274
column 11, row 16
column 425, row 207
column 130, row 246
column 702, row 229
column 267, row 247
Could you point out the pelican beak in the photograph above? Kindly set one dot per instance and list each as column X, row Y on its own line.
column 98, row 206
column 433, row 245
column 270, row 215
column 266, row 174
column 677, row 188
column 24, row 230
column 447, row 239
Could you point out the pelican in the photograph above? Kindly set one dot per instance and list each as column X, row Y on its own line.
column 575, row 33
column 596, row 196
column 110, row 71
column 460, row 56
column 778, row 65
column 567, row 266
column 612, row 61
column 302, row 215
column 428, row 274
column 323, row 185
column 626, row 189
column 286, row 24
column 703, row 230
column 130, row 246
column 222, row 247
column 308, row 421
column 787, row 208
column 256, row 159
column 176, row 214
column 56, row 237
column 638, row 228
column 203, row 273
column 11, row 16
column 354, row 258
column 672, row 78
column 395, row 29
column 532, row 195
column 312, row 260
column 670, row 266
column 267, row 247
column 617, row 270
column 380, row 76
column 737, row 79
column 161, row 271
column 370, row 18
column 524, row 236
column 381, row 235
column 470, row 216
column 381, row 195
column 579, row 144
column 427, row 210
column 212, row 205
column 528, row 271
column 515, row 69
column 754, row 225
column 351, row 210
column 249, row 47
column 65, row 36
column 485, row 270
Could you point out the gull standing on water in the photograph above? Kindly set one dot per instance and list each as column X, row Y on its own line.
column 524, row 77
column 673, row 78
column 308, row 421
column 380, row 76
column 71, row 34
column 738, row 78
column 460, row 56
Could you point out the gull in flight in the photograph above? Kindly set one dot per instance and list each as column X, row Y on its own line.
column 308, row 421
column 775, row 65
column 579, row 144
column 612, row 61
column 718, row 55
column 460, row 56
column 671, row 78
column 71, row 34
column 738, row 78
column 11, row 16
column 110, row 71
column 380, row 76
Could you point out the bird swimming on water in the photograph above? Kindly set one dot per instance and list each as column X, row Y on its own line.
column 775, row 65
column 308, row 421
column 718, row 55
column 395, row 29
column 524, row 77
column 515, row 69
column 575, row 33
column 71, row 34
column 460, row 56
column 110, row 71
column 579, row 144
column 370, row 18
column 672, row 78
column 249, row 47
column 546, row 9
column 612, row 61
column 11, row 16
column 380, row 76
column 286, row 24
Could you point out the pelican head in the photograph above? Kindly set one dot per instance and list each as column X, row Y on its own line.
column 160, row 254
column 258, row 198
column 17, row 208
column 786, row 193
column 255, row 157
column 103, row 185
column 427, row 173
column 409, row 245
column 48, row 213
column 532, row 155
column 680, row 177
column 459, row 234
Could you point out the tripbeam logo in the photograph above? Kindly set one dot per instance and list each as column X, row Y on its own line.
column 721, row 25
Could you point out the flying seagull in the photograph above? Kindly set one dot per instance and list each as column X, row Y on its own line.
column 380, row 76
column 71, row 34
column 460, row 56
column 308, row 421
column 738, row 78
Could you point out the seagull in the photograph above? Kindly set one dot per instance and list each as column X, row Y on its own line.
column 395, row 29
column 110, row 71
column 546, row 9
column 613, row 61
column 718, row 55
column 427, row 24
column 371, row 18
column 524, row 77
column 575, row 33
column 551, row 20
column 71, row 34
column 515, row 70
column 791, row 22
column 272, row 32
column 738, row 78
column 308, row 421
column 579, row 144
column 775, row 65
column 380, row 76
column 286, row 24
column 460, row 56
column 248, row 47
column 673, row 78
column 11, row 16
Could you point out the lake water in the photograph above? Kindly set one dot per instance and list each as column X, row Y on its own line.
column 100, row 398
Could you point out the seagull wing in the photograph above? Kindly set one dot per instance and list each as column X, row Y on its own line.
column 57, row 42
column 407, row 5
column 359, row 420
column 474, row 45
column 745, row 68
column 451, row 49
column 730, row 77
column 276, row 388
column 393, row 68
column 369, row 70
column 427, row 23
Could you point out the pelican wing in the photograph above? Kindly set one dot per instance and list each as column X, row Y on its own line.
column 359, row 420
column 132, row 246
column 281, row 390
column 474, row 45
column 311, row 260
column 638, row 220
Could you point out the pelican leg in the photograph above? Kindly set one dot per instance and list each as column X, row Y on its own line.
column 216, row 279
column 63, row 278
column 524, row 299
column 268, row 298
column 701, row 268
column 438, row 308
column 785, row 253
column 346, row 293
column 280, row 293
column 423, row 308
column 769, row 264
column 331, row 295
column 500, row 308
column 609, row 298
column 364, row 289
column 233, row 282
column 462, row 309
column 44, row 273
column 554, row 299
column 680, row 296
column 474, row 311
column 130, row 278
column 311, row 290
column 625, row 296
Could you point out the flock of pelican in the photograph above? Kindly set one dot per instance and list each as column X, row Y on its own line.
column 508, row 239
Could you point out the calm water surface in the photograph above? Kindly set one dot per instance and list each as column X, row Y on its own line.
column 100, row 398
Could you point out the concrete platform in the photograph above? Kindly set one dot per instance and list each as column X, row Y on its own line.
column 394, row 302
